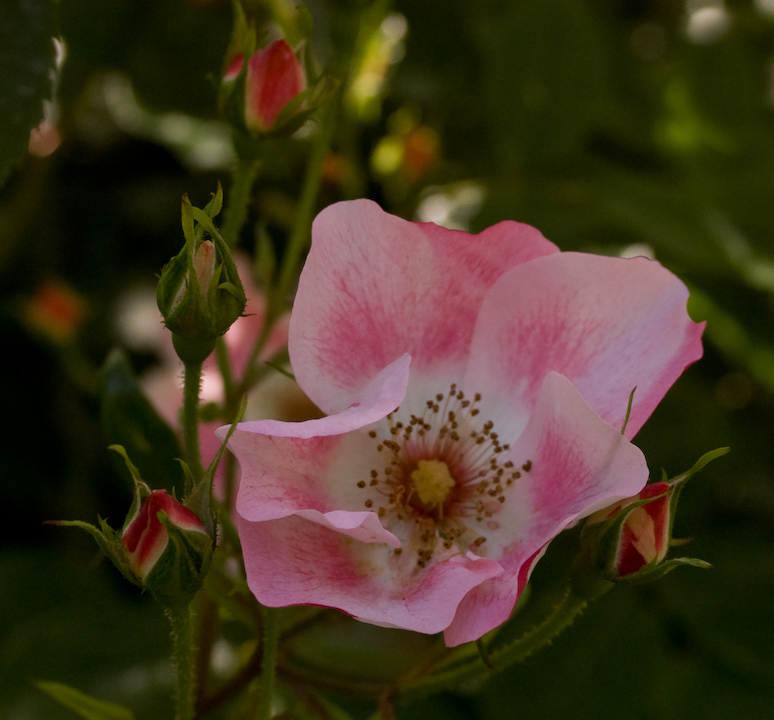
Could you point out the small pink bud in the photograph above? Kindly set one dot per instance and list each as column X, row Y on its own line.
column 644, row 534
column 145, row 538
column 629, row 540
column 204, row 264
column 274, row 78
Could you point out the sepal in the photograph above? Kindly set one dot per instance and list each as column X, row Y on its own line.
column 109, row 542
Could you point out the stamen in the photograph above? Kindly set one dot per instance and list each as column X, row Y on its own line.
column 443, row 475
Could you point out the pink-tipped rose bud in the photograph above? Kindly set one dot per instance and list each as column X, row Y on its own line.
column 643, row 536
column 629, row 540
column 274, row 78
column 167, row 548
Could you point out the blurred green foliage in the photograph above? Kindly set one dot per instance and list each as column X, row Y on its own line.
column 603, row 123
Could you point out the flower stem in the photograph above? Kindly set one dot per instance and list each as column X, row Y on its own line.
column 562, row 616
column 193, row 377
column 240, row 196
column 269, row 664
column 183, row 655
column 307, row 203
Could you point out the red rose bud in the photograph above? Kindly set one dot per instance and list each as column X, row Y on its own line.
column 167, row 548
column 629, row 541
column 643, row 537
column 274, row 78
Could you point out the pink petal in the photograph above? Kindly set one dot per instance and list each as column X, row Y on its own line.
column 375, row 286
column 607, row 324
column 291, row 561
column 579, row 464
column 314, row 465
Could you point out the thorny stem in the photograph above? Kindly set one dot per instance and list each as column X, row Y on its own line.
column 239, row 197
column 269, row 663
column 193, row 377
column 562, row 616
column 183, row 654
column 306, row 206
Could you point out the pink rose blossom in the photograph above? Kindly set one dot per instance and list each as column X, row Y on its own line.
column 475, row 387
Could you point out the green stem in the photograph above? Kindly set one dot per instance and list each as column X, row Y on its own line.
column 269, row 664
column 562, row 616
column 240, row 196
column 183, row 655
column 299, row 237
column 227, row 373
column 308, row 201
column 193, row 378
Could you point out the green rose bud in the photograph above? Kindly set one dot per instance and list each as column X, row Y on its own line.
column 199, row 293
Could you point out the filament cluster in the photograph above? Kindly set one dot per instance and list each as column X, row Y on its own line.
column 445, row 473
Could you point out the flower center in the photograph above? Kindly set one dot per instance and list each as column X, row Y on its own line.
column 444, row 476
column 432, row 481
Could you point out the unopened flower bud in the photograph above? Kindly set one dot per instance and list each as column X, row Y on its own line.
column 629, row 540
column 274, row 78
column 199, row 293
column 167, row 549
column 635, row 531
column 233, row 69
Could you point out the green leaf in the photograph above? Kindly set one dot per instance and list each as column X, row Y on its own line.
column 128, row 419
column 26, row 64
column 82, row 704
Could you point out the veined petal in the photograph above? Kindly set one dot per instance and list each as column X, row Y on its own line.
column 375, row 286
column 607, row 324
column 292, row 561
column 578, row 463
column 291, row 467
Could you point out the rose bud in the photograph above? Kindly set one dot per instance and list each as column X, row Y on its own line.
column 274, row 78
column 167, row 548
column 199, row 292
column 629, row 540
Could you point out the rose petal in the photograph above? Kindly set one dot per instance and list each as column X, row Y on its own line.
column 291, row 561
column 375, row 286
column 579, row 464
column 313, row 465
column 607, row 324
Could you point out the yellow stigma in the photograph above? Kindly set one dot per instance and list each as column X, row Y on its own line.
column 432, row 481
